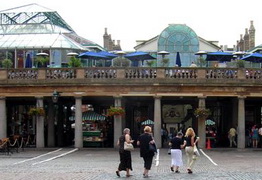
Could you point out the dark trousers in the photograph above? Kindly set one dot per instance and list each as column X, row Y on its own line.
column 148, row 162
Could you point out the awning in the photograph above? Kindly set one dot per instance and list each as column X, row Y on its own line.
column 147, row 122
column 91, row 116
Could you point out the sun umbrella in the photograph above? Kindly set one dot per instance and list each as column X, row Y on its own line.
column 92, row 55
column 219, row 56
column 28, row 61
column 107, row 54
column 254, row 57
column 139, row 56
column 178, row 59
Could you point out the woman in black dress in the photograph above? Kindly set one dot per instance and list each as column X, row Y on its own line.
column 125, row 156
column 143, row 142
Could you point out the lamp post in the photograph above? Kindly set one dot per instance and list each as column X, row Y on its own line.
column 163, row 53
column 55, row 96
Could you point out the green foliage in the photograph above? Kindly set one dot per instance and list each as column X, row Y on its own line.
column 201, row 62
column 121, row 62
column 202, row 112
column 7, row 63
column 165, row 61
column 42, row 60
column 74, row 62
column 151, row 63
column 240, row 63
column 115, row 111
column 39, row 111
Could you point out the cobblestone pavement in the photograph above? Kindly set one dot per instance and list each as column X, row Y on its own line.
column 101, row 164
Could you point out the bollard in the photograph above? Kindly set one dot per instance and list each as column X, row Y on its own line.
column 208, row 143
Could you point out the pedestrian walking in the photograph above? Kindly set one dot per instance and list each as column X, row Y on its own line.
column 255, row 136
column 177, row 143
column 191, row 141
column 143, row 142
column 260, row 136
column 232, row 136
column 125, row 156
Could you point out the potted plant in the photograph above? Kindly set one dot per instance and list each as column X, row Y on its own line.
column 240, row 63
column 115, row 111
column 36, row 111
column 74, row 62
column 165, row 61
column 41, row 61
column 202, row 112
column 7, row 63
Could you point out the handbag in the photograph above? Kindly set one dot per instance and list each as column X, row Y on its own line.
column 128, row 146
column 152, row 148
column 169, row 151
column 196, row 152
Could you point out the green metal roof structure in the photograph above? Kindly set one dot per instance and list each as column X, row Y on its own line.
column 34, row 26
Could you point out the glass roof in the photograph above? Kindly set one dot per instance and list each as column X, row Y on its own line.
column 179, row 38
column 38, row 41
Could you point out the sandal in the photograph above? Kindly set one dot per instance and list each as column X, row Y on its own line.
column 172, row 169
column 177, row 171
column 189, row 171
column 117, row 173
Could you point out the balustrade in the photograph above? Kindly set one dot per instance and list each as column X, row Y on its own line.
column 222, row 73
column 103, row 73
column 131, row 73
column 22, row 74
column 139, row 73
column 60, row 73
column 181, row 73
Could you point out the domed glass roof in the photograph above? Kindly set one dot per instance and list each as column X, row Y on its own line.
column 179, row 38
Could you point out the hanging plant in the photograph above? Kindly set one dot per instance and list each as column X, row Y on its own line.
column 115, row 111
column 39, row 111
column 202, row 112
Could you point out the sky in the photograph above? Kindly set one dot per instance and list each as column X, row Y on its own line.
column 131, row 20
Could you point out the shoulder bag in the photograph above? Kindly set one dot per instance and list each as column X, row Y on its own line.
column 128, row 146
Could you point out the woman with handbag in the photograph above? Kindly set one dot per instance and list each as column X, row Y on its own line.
column 125, row 155
column 143, row 141
column 191, row 142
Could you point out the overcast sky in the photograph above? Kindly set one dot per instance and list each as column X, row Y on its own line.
column 131, row 20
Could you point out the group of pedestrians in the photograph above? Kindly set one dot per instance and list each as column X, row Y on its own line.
column 254, row 136
column 146, row 140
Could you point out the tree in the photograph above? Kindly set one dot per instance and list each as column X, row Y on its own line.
column 121, row 62
column 7, row 63
column 41, row 61
column 74, row 62
column 201, row 62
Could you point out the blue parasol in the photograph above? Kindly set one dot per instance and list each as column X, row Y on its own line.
column 28, row 61
column 107, row 54
column 178, row 59
column 254, row 57
column 219, row 56
column 139, row 56
column 92, row 55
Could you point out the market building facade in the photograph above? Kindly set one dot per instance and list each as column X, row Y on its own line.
column 166, row 95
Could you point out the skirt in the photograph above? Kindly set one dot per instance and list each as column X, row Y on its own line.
column 176, row 157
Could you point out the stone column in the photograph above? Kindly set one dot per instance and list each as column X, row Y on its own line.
column 157, row 121
column 78, row 122
column 241, row 123
column 40, row 138
column 201, row 124
column 51, row 125
column 117, row 122
column 3, row 120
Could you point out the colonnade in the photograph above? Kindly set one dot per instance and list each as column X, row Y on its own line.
column 118, row 122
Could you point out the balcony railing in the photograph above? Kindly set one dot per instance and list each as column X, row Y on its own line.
column 154, row 74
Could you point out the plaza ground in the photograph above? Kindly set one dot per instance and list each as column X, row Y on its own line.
column 101, row 164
